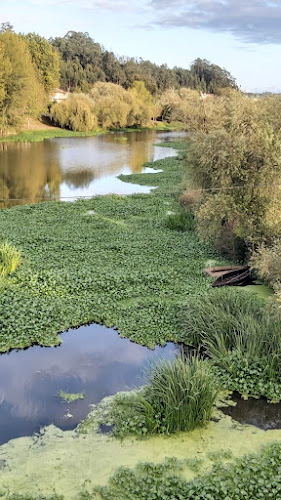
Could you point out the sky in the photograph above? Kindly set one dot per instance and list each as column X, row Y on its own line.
column 241, row 36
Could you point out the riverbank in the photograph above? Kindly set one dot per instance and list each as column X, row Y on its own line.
column 40, row 132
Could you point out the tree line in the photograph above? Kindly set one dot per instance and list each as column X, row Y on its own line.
column 31, row 67
column 84, row 62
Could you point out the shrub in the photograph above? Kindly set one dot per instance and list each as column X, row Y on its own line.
column 190, row 197
column 267, row 261
column 10, row 258
column 179, row 397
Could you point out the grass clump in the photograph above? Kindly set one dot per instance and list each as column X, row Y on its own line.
column 70, row 397
column 10, row 259
column 179, row 396
column 247, row 478
column 181, row 221
column 242, row 337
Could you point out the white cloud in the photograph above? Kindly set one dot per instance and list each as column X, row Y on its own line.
column 255, row 21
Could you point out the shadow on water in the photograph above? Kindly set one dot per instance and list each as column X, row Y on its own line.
column 257, row 412
column 92, row 359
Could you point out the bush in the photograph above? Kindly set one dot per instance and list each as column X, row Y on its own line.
column 179, row 397
column 76, row 113
column 10, row 258
column 267, row 261
column 241, row 336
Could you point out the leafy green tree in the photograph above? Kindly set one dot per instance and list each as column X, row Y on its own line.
column 237, row 168
column 81, row 64
column 142, row 112
column 46, row 60
column 20, row 91
column 210, row 77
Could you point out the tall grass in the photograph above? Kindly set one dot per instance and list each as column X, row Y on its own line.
column 181, row 221
column 179, row 396
column 10, row 258
column 234, row 327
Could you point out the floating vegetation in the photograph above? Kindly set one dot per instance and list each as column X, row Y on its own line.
column 71, row 397
column 81, row 268
column 253, row 476
column 181, row 221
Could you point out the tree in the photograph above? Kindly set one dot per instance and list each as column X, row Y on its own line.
column 210, row 77
column 81, row 64
column 113, row 104
column 143, row 105
column 75, row 113
column 237, row 168
column 46, row 60
column 6, row 27
column 20, row 90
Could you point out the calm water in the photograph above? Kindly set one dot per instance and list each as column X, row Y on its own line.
column 67, row 168
column 257, row 412
column 92, row 359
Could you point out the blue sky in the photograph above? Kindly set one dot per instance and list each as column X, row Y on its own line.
column 242, row 36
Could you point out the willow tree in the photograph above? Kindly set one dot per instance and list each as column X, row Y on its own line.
column 75, row 113
column 142, row 111
column 113, row 104
column 237, row 169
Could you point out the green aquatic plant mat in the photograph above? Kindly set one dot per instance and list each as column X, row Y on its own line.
column 248, row 478
column 110, row 260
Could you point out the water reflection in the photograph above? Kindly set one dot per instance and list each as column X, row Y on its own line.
column 67, row 168
column 257, row 412
column 92, row 359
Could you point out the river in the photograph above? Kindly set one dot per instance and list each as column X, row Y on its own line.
column 69, row 168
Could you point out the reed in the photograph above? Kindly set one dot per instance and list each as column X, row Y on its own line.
column 240, row 334
column 179, row 396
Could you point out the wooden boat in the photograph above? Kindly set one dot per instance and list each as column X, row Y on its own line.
column 229, row 275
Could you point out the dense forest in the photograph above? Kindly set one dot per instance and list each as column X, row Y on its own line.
column 106, row 91
column 84, row 62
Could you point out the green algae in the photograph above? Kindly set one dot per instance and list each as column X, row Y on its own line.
column 71, row 462
column 71, row 397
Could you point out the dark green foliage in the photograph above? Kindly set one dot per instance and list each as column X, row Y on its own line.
column 249, row 478
column 211, row 77
column 181, row 221
column 179, row 396
column 120, row 266
column 81, row 58
column 242, row 337
column 85, row 62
